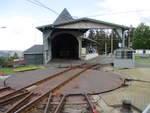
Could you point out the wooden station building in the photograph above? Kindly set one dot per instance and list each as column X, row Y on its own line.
column 64, row 38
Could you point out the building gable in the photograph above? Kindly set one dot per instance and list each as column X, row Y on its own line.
column 64, row 17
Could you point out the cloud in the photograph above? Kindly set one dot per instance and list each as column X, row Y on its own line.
column 125, row 4
column 125, row 12
column 20, row 33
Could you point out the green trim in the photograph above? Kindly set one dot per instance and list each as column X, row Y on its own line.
column 83, row 19
column 116, row 32
column 106, row 23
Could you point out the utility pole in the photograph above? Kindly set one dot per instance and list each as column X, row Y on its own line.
column 129, row 37
column 112, row 42
column 105, row 47
column 123, row 39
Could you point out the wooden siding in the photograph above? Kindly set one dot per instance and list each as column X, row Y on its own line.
column 85, row 25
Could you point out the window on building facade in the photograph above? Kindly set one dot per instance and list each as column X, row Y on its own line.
column 123, row 54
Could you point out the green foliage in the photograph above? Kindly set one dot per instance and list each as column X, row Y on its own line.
column 11, row 70
column 3, row 61
column 91, row 34
column 15, row 56
column 140, row 60
column 6, row 70
column 102, row 37
column 141, row 37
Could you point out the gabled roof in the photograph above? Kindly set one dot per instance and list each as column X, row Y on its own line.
column 64, row 20
column 64, row 17
column 36, row 49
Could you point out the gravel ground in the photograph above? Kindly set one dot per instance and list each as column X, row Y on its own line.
column 137, row 92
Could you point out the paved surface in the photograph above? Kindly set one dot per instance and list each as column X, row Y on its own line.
column 64, row 63
column 22, row 79
column 56, row 81
column 102, row 59
column 137, row 92
column 103, row 107
column 93, row 81
column 142, row 65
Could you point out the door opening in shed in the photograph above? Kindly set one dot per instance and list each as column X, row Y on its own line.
column 65, row 46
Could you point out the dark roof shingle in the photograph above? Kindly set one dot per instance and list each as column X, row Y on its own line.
column 36, row 49
column 64, row 17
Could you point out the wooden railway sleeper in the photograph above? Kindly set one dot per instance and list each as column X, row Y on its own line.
column 13, row 98
column 61, row 105
column 90, row 104
column 28, row 107
column 20, row 103
column 5, row 89
column 48, row 105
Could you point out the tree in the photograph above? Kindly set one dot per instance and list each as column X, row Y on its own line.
column 15, row 56
column 102, row 38
column 141, row 37
column 3, row 61
column 91, row 34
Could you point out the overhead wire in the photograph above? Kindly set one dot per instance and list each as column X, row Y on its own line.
column 33, row 2
column 123, row 12
column 46, row 7
column 40, row 4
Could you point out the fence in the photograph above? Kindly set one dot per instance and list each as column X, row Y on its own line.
column 139, row 52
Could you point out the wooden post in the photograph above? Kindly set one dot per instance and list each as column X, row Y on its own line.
column 112, row 42
column 105, row 48
column 123, row 39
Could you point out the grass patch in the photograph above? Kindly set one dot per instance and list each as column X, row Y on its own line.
column 18, row 69
column 140, row 60
column 7, row 71
column 27, row 68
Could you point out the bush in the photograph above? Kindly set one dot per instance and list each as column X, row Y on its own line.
column 3, row 61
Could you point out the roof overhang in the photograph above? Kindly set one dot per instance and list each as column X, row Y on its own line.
column 89, row 40
column 84, row 23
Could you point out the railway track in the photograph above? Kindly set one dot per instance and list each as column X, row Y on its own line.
column 63, row 99
column 19, row 92
column 5, row 90
column 32, row 97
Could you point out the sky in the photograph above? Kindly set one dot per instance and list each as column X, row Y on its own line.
column 19, row 18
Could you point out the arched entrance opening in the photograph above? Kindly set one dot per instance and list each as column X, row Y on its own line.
column 65, row 46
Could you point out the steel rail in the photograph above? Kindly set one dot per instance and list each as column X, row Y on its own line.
column 13, row 98
column 62, row 102
column 137, row 80
column 47, row 108
column 35, row 102
column 89, row 102
column 20, row 103
column 5, row 97
column 60, row 105
column 4, row 89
